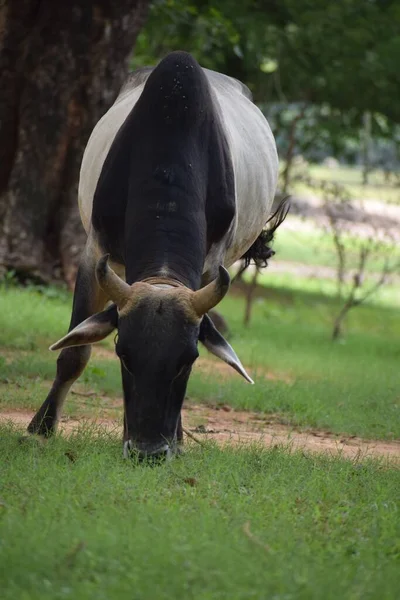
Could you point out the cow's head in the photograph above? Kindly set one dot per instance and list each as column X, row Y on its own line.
column 159, row 326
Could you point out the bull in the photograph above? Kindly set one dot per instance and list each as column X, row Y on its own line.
column 176, row 184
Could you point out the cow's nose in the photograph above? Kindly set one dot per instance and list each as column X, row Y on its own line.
column 158, row 456
column 152, row 453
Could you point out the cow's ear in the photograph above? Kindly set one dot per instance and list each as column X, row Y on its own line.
column 215, row 343
column 91, row 330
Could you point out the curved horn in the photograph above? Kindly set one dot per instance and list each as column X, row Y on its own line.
column 116, row 289
column 209, row 296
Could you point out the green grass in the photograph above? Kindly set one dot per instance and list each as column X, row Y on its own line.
column 350, row 387
column 305, row 247
column 79, row 522
column 323, row 289
column 351, row 177
column 301, row 376
column 76, row 521
column 316, row 248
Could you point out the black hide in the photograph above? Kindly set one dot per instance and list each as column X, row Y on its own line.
column 166, row 190
column 164, row 196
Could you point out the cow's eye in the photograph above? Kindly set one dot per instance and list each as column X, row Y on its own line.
column 187, row 360
column 123, row 358
column 184, row 368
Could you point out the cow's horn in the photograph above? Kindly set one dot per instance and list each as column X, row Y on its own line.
column 209, row 296
column 116, row 289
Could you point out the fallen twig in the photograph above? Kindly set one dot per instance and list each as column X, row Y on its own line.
column 70, row 558
column 193, row 437
column 253, row 538
column 85, row 394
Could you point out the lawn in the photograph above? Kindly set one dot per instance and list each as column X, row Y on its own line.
column 301, row 376
column 76, row 521
column 315, row 247
column 377, row 187
column 350, row 387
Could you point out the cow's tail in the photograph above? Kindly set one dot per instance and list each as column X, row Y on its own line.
column 260, row 251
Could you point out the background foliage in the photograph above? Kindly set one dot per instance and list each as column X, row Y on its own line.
column 334, row 60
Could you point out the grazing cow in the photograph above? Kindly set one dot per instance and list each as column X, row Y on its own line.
column 177, row 183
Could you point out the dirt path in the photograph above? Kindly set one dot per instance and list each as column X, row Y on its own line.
column 226, row 426
column 310, row 207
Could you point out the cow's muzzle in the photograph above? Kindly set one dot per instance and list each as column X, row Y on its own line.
column 150, row 452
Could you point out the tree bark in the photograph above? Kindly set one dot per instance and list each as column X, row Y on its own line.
column 61, row 67
column 366, row 147
column 251, row 288
column 290, row 151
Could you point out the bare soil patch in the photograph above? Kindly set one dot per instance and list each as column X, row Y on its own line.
column 228, row 427
column 220, row 424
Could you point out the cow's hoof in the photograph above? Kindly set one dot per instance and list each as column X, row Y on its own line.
column 32, row 438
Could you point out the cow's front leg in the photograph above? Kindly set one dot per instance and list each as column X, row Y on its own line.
column 179, row 432
column 88, row 298
column 70, row 364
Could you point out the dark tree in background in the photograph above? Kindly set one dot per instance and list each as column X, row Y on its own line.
column 61, row 66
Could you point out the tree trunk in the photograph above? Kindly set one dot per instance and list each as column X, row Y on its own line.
column 338, row 321
column 250, row 290
column 290, row 151
column 366, row 147
column 61, row 67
